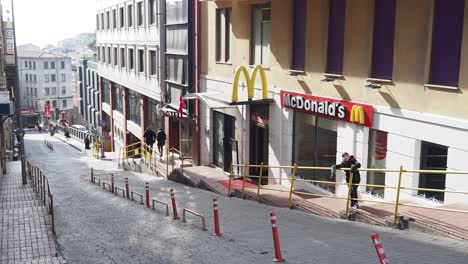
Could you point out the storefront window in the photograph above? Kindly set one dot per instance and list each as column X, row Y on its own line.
column 118, row 98
column 154, row 119
column 377, row 160
column 433, row 157
column 134, row 107
column 314, row 145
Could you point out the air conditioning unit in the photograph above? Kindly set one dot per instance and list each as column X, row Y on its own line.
column 6, row 106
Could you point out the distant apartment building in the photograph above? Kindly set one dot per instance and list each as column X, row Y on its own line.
column 129, row 67
column 385, row 80
column 89, row 93
column 45, row 79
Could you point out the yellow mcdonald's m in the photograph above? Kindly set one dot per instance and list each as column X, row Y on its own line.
column 250, row 80
column 357, row 115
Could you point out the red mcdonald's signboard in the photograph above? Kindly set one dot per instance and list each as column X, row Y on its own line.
column 346, row 111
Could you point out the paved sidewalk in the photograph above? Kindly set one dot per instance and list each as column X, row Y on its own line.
column 25, row 232
column 94, row 226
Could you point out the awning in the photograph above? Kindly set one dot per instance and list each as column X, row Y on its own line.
column 169, row 110
column 211, row 99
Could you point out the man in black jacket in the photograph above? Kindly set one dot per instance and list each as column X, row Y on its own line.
column 161, row 138
column 354, row 165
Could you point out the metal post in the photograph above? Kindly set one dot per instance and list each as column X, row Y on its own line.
column 167, row 162
column 397, row 201
column 173, row 161
column 182, row 164
column 259, row 181
column 293, row 178
column 350, row 185
column 230, row 180
column 243, row 180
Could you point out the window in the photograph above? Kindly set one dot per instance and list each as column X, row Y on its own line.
column 27, row 91
column 131, row 59
column 141, row 60
column 336, row 26
column 116, row 57
column 140, row 13
column 177, row 72
column 261, row 15
column 118, row 98
column 34, row 65
column 64, row 103
column 122, row 57
column 35, row 78
column 447, row 33
column 130, row 16
column 54, row 103
column 62, row 77
column 223, row 35
column 103, row 53
column 46, row 65
column 134, row 107
column 27, row 77
column 62, row 65
column 433, row 157
column 54, row 90
column 52, row 65
column 25, row 64
column 30, row 67
column 35, row 92
column 152, row 62
column 377, row 160
column 52, row 78
column 102, row 21
column 98, row 53
column 152, row 12
column 122, row 17
column 46, row 77
column 114, row 18
column 299, row 35
column 46, row 91
column 108, row 55
column 317, row 147
column 384, row 33
column 64, row 90
column 105, row 91
column 107, row 20
column 154, row 120
column 97, row 21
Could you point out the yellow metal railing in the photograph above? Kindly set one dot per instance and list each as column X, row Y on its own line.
column 131, row 151
column 294, row 179
column 172, row 160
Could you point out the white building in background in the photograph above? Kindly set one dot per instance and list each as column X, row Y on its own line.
column 46, row 78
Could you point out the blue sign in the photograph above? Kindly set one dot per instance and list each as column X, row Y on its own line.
column 102, row 123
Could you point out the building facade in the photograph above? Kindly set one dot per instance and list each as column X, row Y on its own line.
column 90, row 100
column 383, row 80
column 128, row 60
column 45, row 79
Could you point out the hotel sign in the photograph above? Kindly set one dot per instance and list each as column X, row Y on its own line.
column 346, row 111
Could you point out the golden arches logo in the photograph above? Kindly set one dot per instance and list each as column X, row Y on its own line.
column 250, row 80
column 357, row 115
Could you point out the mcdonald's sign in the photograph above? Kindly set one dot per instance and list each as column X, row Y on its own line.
column 250, row 80
column 346, row 111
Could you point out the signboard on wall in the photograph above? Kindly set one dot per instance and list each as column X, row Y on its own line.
column 341, row 110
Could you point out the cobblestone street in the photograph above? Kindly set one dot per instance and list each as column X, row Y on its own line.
column 94, row 226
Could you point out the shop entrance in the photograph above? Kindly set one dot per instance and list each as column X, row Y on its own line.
column 174, row 137
column 433, row 157
column 259, row 140
column 223, row 139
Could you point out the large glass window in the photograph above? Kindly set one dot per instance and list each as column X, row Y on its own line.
column 433, row 157
column 314, row 145
column 261, row 16
column 377, row 160
column 118, row 98
column 106, row 91
column 154, row 119
column 134, row 107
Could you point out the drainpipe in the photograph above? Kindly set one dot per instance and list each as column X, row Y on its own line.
column 196, row 135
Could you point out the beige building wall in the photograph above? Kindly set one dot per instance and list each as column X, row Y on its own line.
column 411, row 57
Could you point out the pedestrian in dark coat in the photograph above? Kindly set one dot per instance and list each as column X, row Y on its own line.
column 350, row 162
column 87, row 142
column 149, row 136
column 161, row 138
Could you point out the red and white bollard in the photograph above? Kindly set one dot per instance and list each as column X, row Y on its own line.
column 379, row 248
column 174, row 207
column 216, row 217
column 112, row 182
column 276, row 242
column 127, row 190
column 147, row 196
column 92, row 175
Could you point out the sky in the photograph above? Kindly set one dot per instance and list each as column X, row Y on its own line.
column 43, row 22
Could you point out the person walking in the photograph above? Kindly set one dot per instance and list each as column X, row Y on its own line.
column 150, row 137
column 67, row 134
column 87, row 142
column 161, row 138
column 349, row 161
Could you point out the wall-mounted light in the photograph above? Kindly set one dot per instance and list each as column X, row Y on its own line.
column 374, row 85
